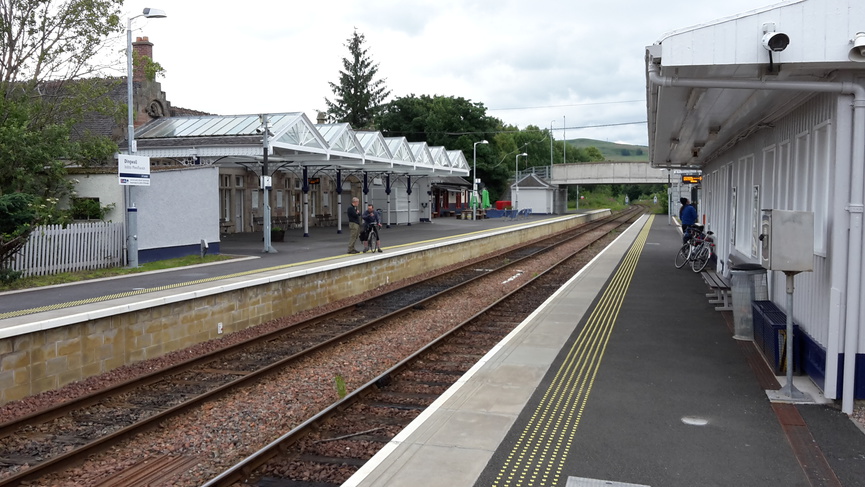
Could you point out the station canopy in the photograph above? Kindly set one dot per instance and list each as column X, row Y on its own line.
column 293, row 141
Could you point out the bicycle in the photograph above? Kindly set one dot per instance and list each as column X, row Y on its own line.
column 704, row 253
column 698, row 249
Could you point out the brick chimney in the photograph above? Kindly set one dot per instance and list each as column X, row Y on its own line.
column 141, row 47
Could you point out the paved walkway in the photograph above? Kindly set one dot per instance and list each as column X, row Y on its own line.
column 626, row 377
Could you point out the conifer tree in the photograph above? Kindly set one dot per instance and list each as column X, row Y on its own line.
column 358, row 96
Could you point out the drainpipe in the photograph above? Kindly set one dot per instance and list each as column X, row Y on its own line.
column 855, row 207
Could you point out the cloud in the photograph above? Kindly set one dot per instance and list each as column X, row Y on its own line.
column 528, row 62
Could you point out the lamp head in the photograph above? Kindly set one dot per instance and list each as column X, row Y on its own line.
column 775, row 41
column 154, row 13
column 523, row 154
column 857, row 52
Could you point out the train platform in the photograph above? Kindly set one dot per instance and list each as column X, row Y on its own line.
column 320, row 245
column 627, row 376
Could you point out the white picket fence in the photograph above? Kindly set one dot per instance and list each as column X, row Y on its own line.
column 52, row 249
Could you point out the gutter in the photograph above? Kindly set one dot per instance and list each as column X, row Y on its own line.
column 855, row 207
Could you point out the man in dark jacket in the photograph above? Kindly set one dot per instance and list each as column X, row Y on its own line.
column 353, row 225
column 372, row 222
column 688, row 217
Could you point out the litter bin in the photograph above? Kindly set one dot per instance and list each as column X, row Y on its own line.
column 748, row 284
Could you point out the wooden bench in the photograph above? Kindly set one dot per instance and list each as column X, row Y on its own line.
column 257, row 223
column 279, row 221
column 721, row 293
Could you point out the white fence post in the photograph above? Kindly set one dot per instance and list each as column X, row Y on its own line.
column 52, row 249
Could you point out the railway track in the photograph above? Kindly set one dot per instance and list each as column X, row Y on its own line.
column 51, row 440
column 327, row 449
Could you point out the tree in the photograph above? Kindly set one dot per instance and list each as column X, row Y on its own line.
column 48, row 53
column 453, row 122
column 358, row 96
column 48, row 57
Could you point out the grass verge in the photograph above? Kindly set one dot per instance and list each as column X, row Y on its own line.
column 67, row 277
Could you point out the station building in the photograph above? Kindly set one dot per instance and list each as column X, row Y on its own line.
column 770, row 105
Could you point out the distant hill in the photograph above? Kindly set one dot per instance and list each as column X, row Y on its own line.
column 615, row 152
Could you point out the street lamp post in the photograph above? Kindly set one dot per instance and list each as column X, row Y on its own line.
column 132, row 221
column 565, row 138
column 516, row 183
column 475, row 177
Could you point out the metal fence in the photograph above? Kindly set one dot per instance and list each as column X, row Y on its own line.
column 53, row 249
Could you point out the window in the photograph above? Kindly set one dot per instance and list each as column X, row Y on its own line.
column 802, row 174
column 820, row 185
column 755, row 222
column 768, row 177
column 783, row 170
column 87, row 209
column 742, row 178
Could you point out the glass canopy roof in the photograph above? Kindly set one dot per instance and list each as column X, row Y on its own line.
column 292, row 138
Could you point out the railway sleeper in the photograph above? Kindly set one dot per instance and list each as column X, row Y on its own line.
column 398, row 406
column 448, row 368
column 149, row 471
column 416, row 396
column 375, row 420
column 279, row 482
column 354, row 462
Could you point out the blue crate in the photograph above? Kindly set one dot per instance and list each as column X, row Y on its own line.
column 770, row 331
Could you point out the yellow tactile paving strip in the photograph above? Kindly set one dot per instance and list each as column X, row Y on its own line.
column 538, row 457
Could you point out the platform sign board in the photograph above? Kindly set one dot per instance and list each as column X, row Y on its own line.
column 692, row 179
column 133, row 170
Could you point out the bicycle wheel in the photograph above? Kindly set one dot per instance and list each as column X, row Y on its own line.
column 701, row 259
column 683, row 255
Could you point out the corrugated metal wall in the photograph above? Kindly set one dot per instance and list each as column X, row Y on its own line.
column 788, row 166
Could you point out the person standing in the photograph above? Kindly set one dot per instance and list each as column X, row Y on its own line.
column 688, row 217
column 353, row 225
column 372, row 223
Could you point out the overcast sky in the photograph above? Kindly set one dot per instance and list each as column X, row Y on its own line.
column 572, row 64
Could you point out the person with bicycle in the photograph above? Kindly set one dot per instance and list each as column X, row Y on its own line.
column 372, row 223
column 688, row 217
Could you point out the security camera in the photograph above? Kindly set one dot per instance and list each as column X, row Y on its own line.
column 857, row 52
column 775, row 41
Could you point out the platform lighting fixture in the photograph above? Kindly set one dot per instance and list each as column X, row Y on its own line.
column 131, row 244
column 475, row 176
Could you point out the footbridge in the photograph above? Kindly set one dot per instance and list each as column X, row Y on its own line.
column 608, row 173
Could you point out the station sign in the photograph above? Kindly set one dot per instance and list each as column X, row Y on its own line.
column 314, row 180
column 133, row 170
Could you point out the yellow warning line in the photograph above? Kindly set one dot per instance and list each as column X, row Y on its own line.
column 538, row 457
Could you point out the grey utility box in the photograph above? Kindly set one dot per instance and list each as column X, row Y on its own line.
column 787, row 240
